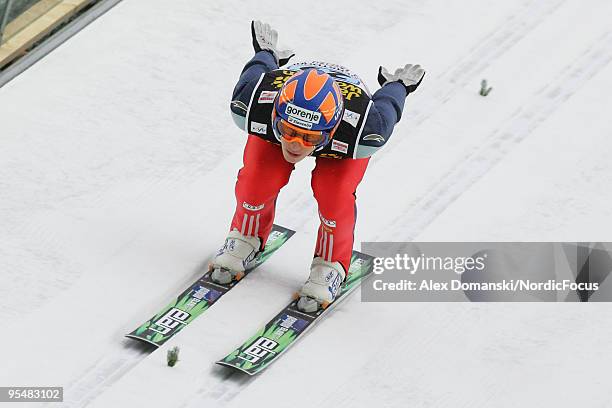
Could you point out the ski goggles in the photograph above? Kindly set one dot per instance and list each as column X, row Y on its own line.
column 307, row 138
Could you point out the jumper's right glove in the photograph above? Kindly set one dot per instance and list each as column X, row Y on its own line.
column 410, row 76
column 266, row 38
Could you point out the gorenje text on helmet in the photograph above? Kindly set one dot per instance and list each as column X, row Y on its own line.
column 305, row 114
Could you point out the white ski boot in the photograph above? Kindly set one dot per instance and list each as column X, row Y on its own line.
column 322, row 286
column 233, row 258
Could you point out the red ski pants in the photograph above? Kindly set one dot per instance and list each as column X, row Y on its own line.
column 334, row 182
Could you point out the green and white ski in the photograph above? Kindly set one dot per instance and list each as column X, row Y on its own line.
column 286, row 327
column 199, row 296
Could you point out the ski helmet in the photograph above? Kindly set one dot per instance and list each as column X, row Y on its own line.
column 309, row 107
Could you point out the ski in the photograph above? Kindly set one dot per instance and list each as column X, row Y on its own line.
column 200, row 296
column 286, row 327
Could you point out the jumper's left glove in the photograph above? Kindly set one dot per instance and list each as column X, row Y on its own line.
column 410, row 76
column 266, row 38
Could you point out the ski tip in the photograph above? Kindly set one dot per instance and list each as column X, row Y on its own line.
column 142, row 340
column 234, row 368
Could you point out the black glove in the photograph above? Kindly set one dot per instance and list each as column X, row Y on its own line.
column 410, row 76
column 266, row 38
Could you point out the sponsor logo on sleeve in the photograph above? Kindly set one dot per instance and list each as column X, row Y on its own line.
column 374, row 137
column 239, row 105
column 267, row 96
column 260, row 128
column 339, row 146
column 350, row 117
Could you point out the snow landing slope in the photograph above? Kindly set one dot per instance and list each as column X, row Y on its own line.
column 118, row 166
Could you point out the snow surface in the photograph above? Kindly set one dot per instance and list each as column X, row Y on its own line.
column 116, row 184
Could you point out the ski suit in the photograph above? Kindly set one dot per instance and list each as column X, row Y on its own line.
column 366, row 126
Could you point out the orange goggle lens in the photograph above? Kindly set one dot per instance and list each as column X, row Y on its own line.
column 308, row 138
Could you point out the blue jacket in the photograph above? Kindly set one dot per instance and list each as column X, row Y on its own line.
column 386, row 110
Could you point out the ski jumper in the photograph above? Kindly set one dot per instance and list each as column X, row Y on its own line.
column 367, row 124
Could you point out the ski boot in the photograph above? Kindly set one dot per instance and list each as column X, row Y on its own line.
column 322, row 286
column 233, row 258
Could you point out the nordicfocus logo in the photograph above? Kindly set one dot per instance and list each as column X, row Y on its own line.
column 303, row 114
